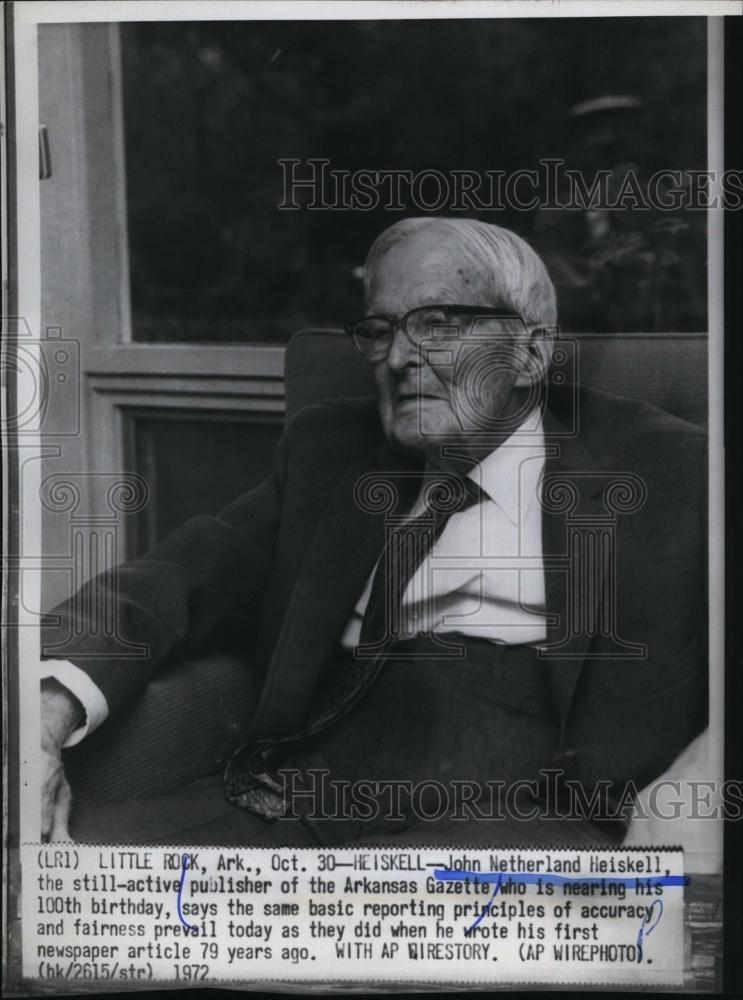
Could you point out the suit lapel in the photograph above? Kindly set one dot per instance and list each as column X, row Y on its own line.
column 336, row 566
column 572, row 484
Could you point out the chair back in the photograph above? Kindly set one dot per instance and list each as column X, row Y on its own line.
column 667, row 370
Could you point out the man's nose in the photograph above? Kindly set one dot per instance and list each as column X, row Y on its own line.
column 403, row 353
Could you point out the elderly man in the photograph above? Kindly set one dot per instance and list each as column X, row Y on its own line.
column 483, row 587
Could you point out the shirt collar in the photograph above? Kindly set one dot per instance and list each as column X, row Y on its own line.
column 510, row 475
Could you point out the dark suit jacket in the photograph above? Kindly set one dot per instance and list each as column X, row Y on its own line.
column 282, row 567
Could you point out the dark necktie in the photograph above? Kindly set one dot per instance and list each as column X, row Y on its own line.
column 408, row 544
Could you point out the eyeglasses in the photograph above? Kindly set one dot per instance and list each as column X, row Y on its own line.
column 373, row 335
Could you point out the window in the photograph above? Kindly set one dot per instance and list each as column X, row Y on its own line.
column 211, row 108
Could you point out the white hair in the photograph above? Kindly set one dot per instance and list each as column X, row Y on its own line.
column 514, row 276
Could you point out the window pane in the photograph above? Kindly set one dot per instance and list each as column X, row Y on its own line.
column 211, row 107
column 194, row 463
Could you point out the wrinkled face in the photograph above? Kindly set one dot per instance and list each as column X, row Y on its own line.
column 459, row 386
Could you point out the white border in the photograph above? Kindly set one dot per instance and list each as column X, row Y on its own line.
column 716, row 416
column 52, row 11
column 30, row 447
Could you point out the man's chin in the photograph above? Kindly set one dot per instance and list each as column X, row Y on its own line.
column 413, row 439
column 418, row 427
column 411, row 444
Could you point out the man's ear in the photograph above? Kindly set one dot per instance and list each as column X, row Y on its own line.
column 538, row 356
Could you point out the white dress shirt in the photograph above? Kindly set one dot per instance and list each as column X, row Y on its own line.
column 87, row 693
column 484, row 576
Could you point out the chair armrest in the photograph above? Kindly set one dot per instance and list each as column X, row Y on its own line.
column 672, row 817
column 184, row 725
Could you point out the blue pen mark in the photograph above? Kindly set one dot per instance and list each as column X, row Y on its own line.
column 642, row 933
column 649, row 881
column 445, row 875
column 486, row 908
column 180, row 893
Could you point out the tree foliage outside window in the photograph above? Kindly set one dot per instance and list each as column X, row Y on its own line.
column 211, row 107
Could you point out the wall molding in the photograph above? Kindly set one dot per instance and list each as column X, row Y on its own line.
column 125, row 381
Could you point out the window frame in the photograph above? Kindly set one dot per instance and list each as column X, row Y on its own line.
column 85, row 290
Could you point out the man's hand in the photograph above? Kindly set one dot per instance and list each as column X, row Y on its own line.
column 61, row 714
